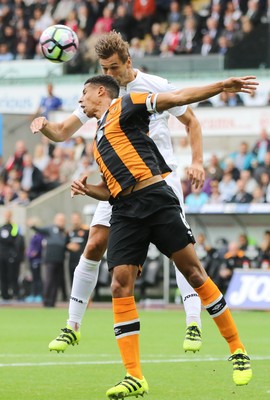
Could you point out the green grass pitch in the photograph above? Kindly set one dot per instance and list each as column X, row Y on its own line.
column 28, row 371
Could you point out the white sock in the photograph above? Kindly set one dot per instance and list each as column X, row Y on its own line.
column 191, row 300
column 84, row 282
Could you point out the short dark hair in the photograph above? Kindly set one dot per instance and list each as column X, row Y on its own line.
column 108, row 82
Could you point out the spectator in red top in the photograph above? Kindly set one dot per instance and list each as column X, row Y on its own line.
column 143, row 12
column 16, row 160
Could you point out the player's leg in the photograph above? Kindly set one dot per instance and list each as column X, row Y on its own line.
column 85, row 277
column 214, row 302
column 191, row 300
column 127, row 243
column 173, row 237
column 192, row 306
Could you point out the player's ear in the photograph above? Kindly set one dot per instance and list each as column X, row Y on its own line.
column 101, row 90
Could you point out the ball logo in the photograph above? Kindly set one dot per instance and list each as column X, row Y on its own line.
column 249, row 289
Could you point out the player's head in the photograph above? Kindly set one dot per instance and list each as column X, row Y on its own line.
column 108, row 82
column 97, row 89
column 114, row 57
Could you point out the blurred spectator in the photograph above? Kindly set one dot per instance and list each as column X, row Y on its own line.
column 174, row 12
column 48, row 103
column 264, row 252
column 241, row 196
column 32, row 180
column 34, row 256
column 10, row 38
column 213, row 169
column 258, row 196
column 227, row 187
column 234, row 99
column 84, row 168
column 234, row 258
column 121, row 22
column 242, row 158
column 261, row 146
column 263, row 167
column 157, row 35
column 207, row 46
column 77, row 239
column 55, row 249
column 79, row 147
column 215, row 196
column 222, row 100
column 16, row 160
column 143, row 13
column 172, row 39
column 72, row 20
column 223, row 45
column 135, row 48
column 250, row 183
column 264, row 182
column 5, row 53
column 68, row 166
column 104, row 23
column 11, row 256
column 190, row 40
column 215, row 258
column 22, row 199
column 229, row 166
column 52, row 172
column 253, row 12
column 196, row 199
column 62, row 10
column 8, row 195
column 202, row 249
column 21, row 51
column 40, row 158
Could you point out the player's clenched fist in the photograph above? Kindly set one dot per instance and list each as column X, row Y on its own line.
column 38, row 124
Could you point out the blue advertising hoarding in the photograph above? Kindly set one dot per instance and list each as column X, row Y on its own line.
column 249, row 290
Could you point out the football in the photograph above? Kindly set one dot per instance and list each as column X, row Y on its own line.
column 59, row 43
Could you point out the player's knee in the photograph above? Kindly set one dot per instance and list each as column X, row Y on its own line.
column 196, row 276
column 120, row 289
column 95, row 249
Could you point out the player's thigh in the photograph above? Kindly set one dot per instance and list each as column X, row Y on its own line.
column 128, row 243
column 169, row 231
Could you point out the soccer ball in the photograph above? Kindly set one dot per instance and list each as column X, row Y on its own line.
column 59, row 43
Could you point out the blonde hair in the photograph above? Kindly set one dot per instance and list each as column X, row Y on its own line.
column 112, row 43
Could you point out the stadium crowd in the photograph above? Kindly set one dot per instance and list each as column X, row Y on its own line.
column 242, row 176
column 152, row 27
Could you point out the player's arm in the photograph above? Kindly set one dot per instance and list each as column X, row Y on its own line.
column 56, row 131
column 98, row 192
column 164, row 101
column 195, row 171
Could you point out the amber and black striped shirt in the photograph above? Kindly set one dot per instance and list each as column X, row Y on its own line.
column 123, row 150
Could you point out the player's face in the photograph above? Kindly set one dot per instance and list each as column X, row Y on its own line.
column 114, row 67
column 88, row 99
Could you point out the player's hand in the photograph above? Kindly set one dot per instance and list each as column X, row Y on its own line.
column 196, row 174
column 37, row 124
column 79, row 186
column 245, row 84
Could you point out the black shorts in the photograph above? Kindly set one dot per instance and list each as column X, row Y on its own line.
column 152, row 214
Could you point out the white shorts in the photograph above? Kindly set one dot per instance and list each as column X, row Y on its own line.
column 103, row 211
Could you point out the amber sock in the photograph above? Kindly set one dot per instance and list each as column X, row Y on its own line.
column 215, row 304
column 127, row 329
